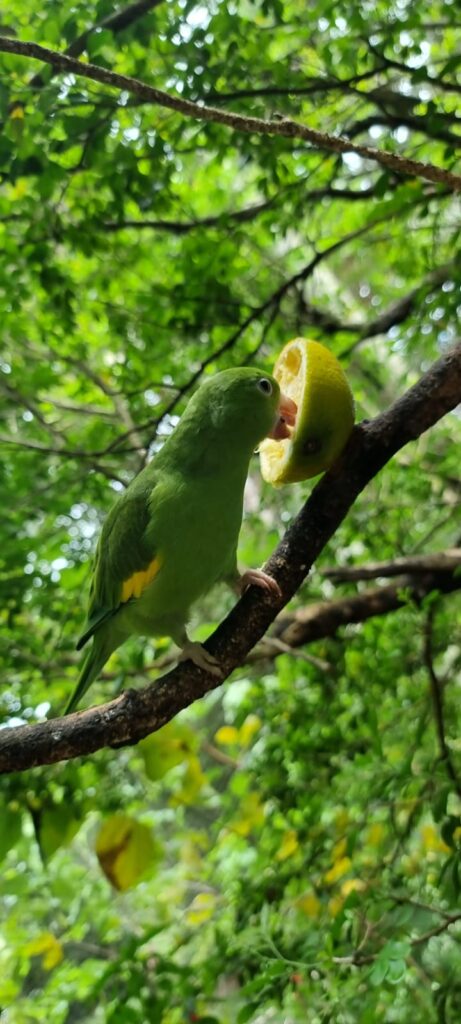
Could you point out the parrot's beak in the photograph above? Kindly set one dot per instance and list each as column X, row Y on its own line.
column 286, row 418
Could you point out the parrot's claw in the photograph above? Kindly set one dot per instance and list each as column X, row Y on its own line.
column 197, row 653
column 258, row 578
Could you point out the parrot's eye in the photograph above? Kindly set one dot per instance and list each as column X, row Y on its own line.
column 265, row 385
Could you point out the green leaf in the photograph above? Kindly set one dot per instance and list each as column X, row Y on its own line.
column 162, row 750
column 10, row 829
column 56, row 827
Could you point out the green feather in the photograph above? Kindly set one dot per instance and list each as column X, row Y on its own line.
column 185, row 510
column 104, row 643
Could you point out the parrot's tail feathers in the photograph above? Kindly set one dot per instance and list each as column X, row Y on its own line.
column 92, row 665
column 96, row 620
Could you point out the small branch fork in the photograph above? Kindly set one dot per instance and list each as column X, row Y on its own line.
column 284, row 127
column 136, row 713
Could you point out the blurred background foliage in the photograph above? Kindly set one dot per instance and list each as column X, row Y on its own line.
column 288, row 849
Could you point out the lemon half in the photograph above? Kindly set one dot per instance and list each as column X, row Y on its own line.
column 311, row 375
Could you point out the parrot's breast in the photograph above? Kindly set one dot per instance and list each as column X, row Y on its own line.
column 194, row 531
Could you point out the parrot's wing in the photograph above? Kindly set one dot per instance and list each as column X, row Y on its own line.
column 125, row 561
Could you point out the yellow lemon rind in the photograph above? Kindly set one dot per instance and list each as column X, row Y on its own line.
column 310, row 374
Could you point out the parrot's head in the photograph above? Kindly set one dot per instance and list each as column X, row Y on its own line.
column 248, row 404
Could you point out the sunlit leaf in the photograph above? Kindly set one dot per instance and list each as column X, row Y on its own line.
column 56, row 827
column 48, row 947
column 201, row 909
column 10, row 829
column 227, row 735
column 288, row 846
column 162, row 750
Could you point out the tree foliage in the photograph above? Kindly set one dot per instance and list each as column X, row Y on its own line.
column 289, row 846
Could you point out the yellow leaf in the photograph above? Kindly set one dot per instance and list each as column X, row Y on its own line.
column 48, row 947
column 335, row 905
column 19, row 189
column 227, row 735
column 375, row 834
column 352, row 885
column 125, row 850
column 288, row 846
column 201, row 908
column 252, row 815
column 341, row 819
column 310, row 905
column 193, row 781
column 339, row 849
column 395, row 755
column 191, row 857
column 340, row 868
column 17, row 112
column 55, row 827
column 432, row 841
column 250, row 727
column 163, row 750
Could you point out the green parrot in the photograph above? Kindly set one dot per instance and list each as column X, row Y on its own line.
column 173, row 533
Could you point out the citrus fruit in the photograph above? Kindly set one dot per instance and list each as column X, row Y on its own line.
column 311, row 375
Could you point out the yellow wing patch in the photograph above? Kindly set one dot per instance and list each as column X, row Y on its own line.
column 134, row 586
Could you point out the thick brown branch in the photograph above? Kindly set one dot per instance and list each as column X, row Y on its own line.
column 250, row 125
column 136, row 713
column 325, row 618
column 443, row 561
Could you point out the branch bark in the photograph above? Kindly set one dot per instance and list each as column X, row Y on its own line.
column 442, row 561
column 325, row 618
column 136, row 713
column 250, row 125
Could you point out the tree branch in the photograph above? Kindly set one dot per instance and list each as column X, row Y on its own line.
column 395, row 314
column 183, row 227
column 115, row 22
column 249, row 213
column 415, row 122
column 250, row 125
column 316, row 85
column 325, row 618
column 305, row 625
column 442, row 561
column 446, row 84
column 136, row 713
column 359, row 959
column 273, row 301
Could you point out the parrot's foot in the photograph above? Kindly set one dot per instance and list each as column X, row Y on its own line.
column 193, row 651
column 258, row 578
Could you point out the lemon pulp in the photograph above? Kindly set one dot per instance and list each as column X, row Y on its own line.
column 311, row 375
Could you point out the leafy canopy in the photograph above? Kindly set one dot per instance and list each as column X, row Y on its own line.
column 290, row 846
